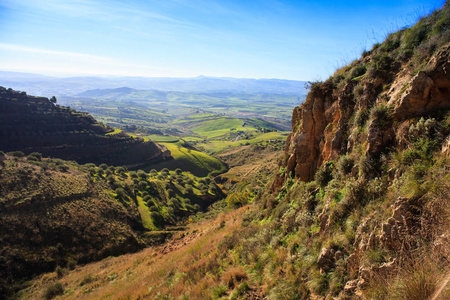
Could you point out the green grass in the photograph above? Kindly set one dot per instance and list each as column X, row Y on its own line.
column 163, row 138
column 219, row 127
column 218, row 146
column 145, row 214
column 198, row 163
column 211, row 126
column 116, row 131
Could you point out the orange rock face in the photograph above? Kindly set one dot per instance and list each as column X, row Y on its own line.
column 321, row 126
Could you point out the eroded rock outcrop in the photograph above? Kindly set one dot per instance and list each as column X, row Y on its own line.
column 322, row 125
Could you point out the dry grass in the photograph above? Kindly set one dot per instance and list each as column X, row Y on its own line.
column 233, row 276
column 191, row 271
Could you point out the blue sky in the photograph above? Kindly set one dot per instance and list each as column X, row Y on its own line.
column 301, row 40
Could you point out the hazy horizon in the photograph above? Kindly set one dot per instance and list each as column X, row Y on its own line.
column 62, row 76
column 270, row 39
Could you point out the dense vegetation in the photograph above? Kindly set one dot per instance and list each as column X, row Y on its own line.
column 358, row 211
column 56, row 213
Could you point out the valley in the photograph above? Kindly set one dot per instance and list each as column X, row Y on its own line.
column 235, row 191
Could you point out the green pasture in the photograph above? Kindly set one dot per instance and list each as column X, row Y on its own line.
column 216, row 146
column 198, row 163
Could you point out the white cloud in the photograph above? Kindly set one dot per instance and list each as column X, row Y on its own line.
column 52, row 62
column 62, row 54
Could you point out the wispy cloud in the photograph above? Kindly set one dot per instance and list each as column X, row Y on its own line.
column 65, row 54
column 91, row 9
column 64, row 62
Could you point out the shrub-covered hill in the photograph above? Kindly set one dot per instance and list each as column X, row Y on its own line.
column 359, row 208
column 362, row 193
column 58, row 213
column 36, row 124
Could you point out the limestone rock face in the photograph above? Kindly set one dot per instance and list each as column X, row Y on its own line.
column 321, row 126
column 395, row 232
column 317, row 134
column 446, row 146
column 426, row 91
column 326, row 259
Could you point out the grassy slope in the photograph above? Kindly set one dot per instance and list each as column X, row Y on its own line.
column 54, row 212
column 272, row 250
column 191, row 262
column 196, row 162
column 215, row 146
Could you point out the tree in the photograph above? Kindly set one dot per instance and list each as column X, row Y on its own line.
column 120, row 192
column 53, row 99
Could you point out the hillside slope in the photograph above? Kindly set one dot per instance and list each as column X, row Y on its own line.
column 35, row 124
column 364, row 178
column 52, row 214
column 56, row 214
column 359, row 208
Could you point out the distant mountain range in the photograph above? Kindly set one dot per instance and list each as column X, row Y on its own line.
column 48, row 86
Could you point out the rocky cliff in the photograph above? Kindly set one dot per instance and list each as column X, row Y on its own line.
column 35, row 124
column 364, row 176
column 372, row 101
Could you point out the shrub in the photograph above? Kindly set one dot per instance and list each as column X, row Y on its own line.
column 354, row 193
column 36, row 156
column 237, row 199
column 17, row 153
column 357, row 71
column 170, row 193
column 416, row 35
column 53, row 290
column 324, row 174
column 71, row 264
column 120, row 193
column 358, row 91
column 142, row 185
column 381, row 115
column 189, row 190
column 156, row 217
column 318, row 282
column 59, row 271
column 380, row 65
column 375, row 47
column 361, row 117
column 120, row 170
column 87, row 279
column 142, row 174
column 405, row 54
column 63, row 168
column 337, row 79
column 345, row 164
column 233, row 276
column 367, row 167
column 390, row 45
